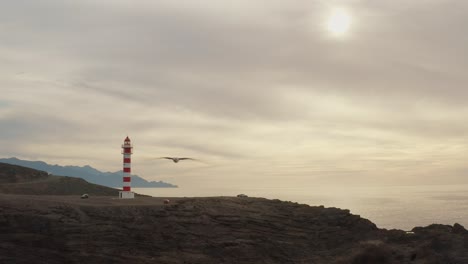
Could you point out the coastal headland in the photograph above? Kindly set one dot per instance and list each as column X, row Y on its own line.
column 102, row 229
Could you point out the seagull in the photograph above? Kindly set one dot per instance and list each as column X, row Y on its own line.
column 176, row 160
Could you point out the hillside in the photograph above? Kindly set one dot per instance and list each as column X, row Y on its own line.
column 57, row 229
column 88, row 173
column 18, row 174
column 20, row 180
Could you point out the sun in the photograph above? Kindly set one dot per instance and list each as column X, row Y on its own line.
column 339, row 22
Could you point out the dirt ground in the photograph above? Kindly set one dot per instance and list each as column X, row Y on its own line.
column 91, row 201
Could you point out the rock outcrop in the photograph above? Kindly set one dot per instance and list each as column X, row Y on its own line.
column 53, row 229
column 62, row 228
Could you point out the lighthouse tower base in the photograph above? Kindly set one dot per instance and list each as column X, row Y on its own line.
column 126, row 195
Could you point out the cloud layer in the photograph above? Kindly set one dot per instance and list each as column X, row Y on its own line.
column 257, row 89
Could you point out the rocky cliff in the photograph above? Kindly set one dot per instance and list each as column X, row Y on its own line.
column 62, row 228
column 66, row 229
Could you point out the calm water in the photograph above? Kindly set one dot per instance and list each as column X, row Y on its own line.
column 402, row 207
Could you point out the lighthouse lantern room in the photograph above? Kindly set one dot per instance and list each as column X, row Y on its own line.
column 127, row 151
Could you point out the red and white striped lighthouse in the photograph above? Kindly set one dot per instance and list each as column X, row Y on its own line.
column 127, row 151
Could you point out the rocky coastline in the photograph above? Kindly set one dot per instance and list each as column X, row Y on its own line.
column 39, row 228
column 65, row 229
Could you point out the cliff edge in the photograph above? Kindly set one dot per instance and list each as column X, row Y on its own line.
column 49, row 228
column 66, row 229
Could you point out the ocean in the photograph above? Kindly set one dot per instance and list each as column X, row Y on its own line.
column 390, row 207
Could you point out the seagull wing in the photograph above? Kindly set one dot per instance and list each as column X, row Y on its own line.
column 165, row 158
column 197, row 160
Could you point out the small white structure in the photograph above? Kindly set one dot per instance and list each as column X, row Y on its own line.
column 126, row 195
column 127, row 151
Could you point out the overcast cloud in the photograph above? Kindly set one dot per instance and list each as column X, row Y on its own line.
column 257, row 89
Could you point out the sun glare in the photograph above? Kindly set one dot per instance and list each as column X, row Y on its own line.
column 339, row 22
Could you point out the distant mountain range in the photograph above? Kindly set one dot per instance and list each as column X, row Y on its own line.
column 16, row 179
column 88, row 173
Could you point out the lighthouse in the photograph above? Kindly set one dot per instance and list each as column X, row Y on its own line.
column 127, row 151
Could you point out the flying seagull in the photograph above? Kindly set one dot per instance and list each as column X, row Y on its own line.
column 175, row 160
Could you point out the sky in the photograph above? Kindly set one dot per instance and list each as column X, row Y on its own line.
column 263, row 92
